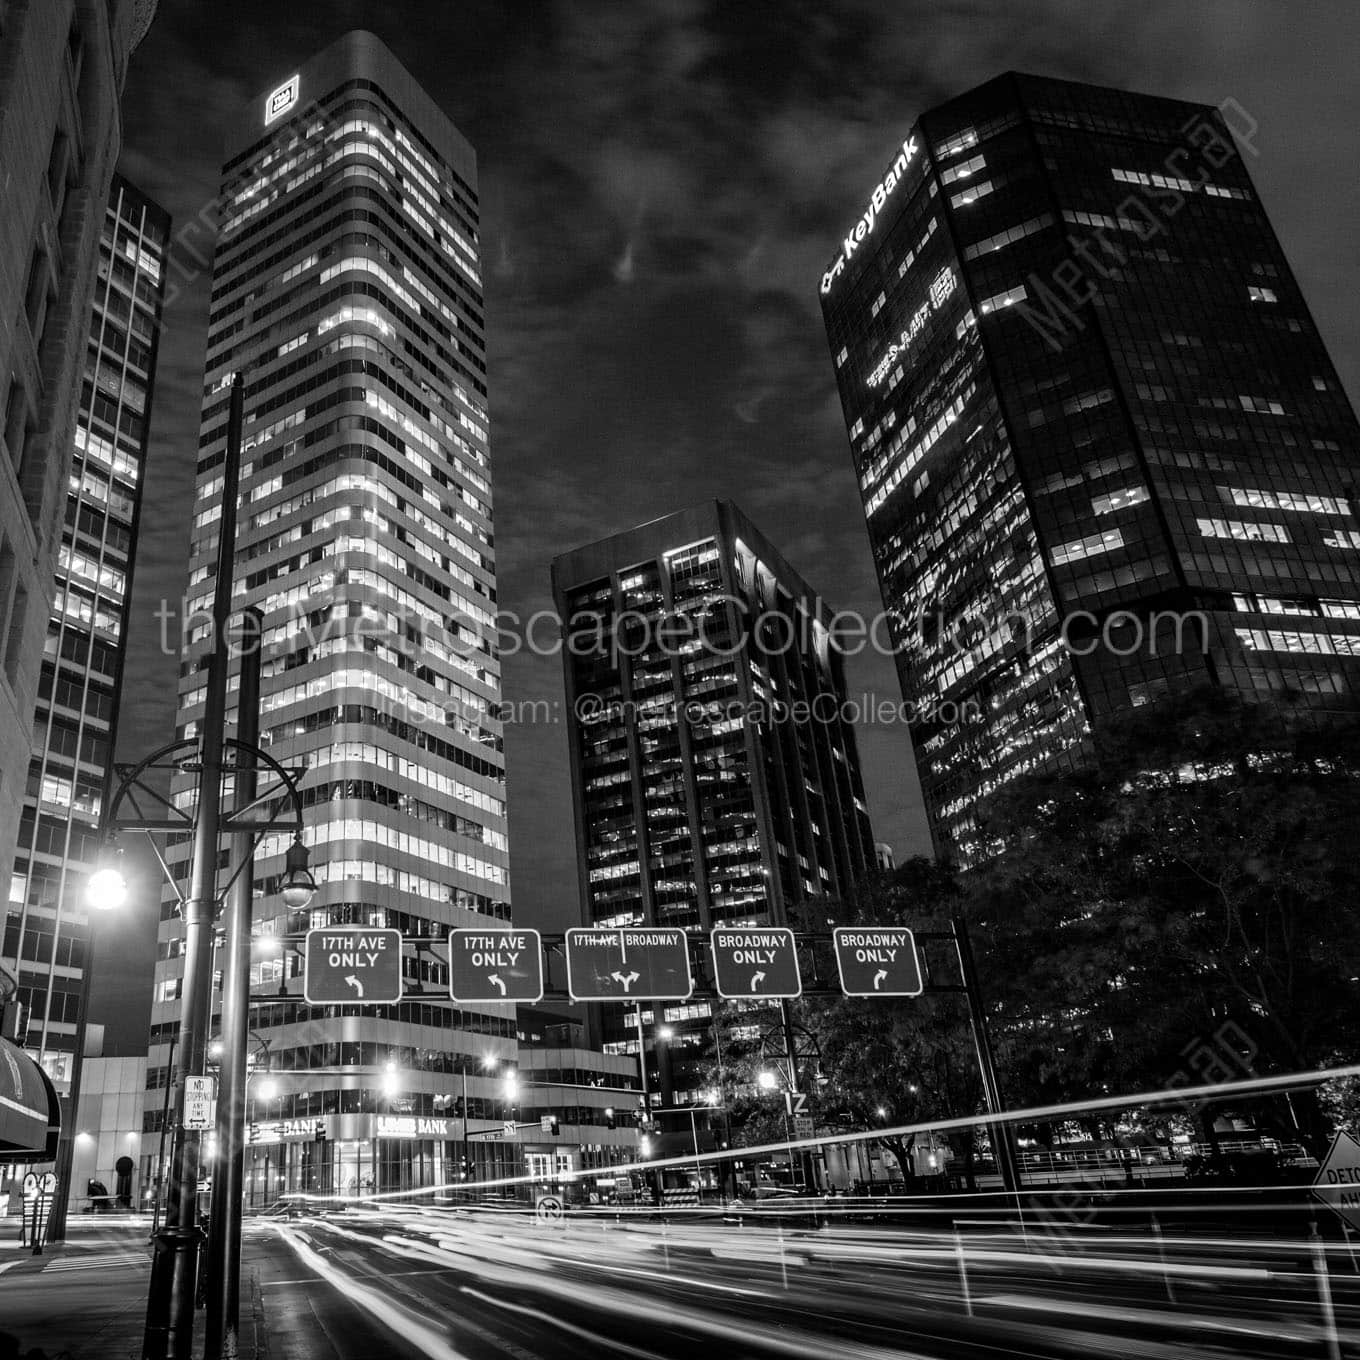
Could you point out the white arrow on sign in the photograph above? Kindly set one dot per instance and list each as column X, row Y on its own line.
column 495, row 978
column 625, row 980
column 879, row 978
column 356, row 984
column 756, row 978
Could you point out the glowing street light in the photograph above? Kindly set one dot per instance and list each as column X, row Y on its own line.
column 766, row 1080
column 106, row 889
column 267, row 1088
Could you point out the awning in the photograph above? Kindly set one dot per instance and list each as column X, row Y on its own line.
column 30, row 1113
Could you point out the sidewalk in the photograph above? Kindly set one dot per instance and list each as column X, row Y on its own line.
column 86, row 1298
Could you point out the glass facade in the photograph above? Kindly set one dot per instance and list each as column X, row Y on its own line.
column 346, row 286
column 1100, row 443
column 46, row 928
column 702, row 797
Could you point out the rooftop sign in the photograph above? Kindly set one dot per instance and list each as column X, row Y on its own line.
column 857, row 235
column 281, row 100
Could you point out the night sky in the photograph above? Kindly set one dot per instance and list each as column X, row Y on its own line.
column 662, row 183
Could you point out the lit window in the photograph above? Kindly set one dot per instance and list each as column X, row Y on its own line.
column 1247, row 530
column 960, row 142
column 1261, row 405
column 1343, row 538
column 1261, row 294
column 1008, row 237
column 1119, row 500
column 1090, row 546
column 971, row 194
column 1006, row 299
column 963, row 169
column 1259, row 499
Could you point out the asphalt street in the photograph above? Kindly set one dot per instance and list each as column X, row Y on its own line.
column 368, row 1285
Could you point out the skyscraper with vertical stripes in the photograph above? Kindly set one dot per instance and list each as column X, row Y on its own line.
column 347, row 290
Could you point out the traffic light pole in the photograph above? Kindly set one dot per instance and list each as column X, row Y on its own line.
column 224, row 1219
column 170, row 1299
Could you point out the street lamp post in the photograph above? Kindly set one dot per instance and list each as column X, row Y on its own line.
column 168, row 1332
column 170, row 1299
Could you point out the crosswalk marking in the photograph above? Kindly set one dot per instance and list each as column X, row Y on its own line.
column 99, row 1261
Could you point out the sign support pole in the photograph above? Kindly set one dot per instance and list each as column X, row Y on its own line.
column 224, row 1218
column 791, row 1056
column 1001, row 1133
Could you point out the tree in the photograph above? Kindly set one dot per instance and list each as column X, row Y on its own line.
column 899, row 1061
column 1178, row 907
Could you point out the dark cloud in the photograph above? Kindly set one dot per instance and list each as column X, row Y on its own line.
column 662, row 183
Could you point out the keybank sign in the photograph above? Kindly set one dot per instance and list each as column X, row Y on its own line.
column 860, row 232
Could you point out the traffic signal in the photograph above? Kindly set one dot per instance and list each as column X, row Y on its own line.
column 610, row 1119
column 467, row 1168
column 553, row 1125
column 319, row 1131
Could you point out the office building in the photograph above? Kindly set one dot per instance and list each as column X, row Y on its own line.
column 574, row 1105
column 80, row 682
column 1102, row 449
column 347, row 289
column 714, row 769
column 62, row 67
column 46, row 939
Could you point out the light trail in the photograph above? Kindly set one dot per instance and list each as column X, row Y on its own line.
column 1032, row 1114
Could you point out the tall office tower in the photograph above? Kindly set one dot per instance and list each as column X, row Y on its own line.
column 1102, row 449
column 46, row 928
column 698, row 802
column 346, row 287
column 62, row 65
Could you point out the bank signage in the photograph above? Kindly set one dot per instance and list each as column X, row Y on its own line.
column 868, row 219
column 413, row 1126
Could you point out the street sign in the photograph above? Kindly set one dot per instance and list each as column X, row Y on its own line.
column 48, row 1183
column 755, row 961
column 549, row 1209
column 877, row 961
column 352, row 964
column 802, row 1126
column 495, row 965
column 1338, row 1179
column 646, row 963
column 200, row 1103
column 510, row 1127
column 795, row 1102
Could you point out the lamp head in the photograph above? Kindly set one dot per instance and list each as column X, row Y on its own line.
column 298, row 883
column 106, row 889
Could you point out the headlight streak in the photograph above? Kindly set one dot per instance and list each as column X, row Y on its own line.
column 1034, row 1114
